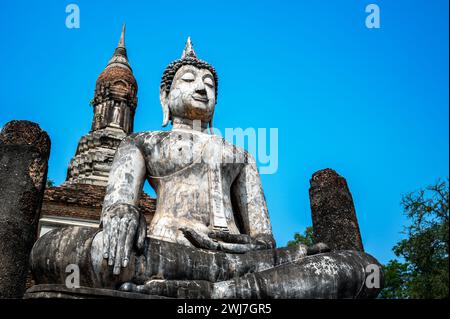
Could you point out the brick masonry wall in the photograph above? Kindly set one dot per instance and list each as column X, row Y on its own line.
column 85, row 202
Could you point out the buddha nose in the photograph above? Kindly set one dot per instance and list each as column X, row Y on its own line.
column 201, row 91
column 200, row 87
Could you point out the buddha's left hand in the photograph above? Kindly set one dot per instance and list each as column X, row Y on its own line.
column 241, row 243
column 230, row 243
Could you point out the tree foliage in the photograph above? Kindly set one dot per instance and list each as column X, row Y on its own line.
column 306, row 238
column 424, row 270
column 50, row 183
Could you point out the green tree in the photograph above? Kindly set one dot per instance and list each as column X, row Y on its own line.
column 424, row 272
column 307, row 238
column 396, row 281
column 50, row 183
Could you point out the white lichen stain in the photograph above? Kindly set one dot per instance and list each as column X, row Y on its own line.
column 325, row 265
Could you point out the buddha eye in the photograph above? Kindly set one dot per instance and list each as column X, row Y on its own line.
column 188, row 77
column 209, row 82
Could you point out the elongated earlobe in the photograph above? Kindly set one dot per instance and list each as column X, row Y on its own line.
column 165, row 106
column 211, row 127
column 166, row 112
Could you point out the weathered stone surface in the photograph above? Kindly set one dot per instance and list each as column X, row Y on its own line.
column 24, row 152
column 54, row 251
column 333, row 212
column 26, row 133
column 333, row 275
column 176, row 271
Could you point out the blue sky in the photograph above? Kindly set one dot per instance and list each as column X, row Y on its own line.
column 370, row 103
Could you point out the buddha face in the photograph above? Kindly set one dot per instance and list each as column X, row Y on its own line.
column 192, row 94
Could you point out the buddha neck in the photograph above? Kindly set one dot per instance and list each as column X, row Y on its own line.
column 186, row 124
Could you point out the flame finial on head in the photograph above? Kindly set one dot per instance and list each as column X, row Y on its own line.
column 188, row 51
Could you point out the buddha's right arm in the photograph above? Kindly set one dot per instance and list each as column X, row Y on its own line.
column 123, row 224
column 127, row 175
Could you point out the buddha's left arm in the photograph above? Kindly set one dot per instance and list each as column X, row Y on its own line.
column 248, row 197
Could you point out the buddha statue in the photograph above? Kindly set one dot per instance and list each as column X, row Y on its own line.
column 211, row 235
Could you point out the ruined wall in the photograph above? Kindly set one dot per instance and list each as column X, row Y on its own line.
column 24, row 153
column 333, row 212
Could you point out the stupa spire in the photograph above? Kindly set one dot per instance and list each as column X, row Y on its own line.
column 122, row 37
column 120, row 57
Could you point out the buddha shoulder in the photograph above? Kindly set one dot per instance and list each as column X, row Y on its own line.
column 145, row 140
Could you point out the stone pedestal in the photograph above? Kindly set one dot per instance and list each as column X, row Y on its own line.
column 24, row 152
column 62, row 292
column 333, row 213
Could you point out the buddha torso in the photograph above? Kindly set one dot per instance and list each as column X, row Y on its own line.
column 192, row 174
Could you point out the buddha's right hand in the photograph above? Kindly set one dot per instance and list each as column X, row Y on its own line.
column 124, row 227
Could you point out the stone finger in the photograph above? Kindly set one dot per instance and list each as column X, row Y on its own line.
column 142, row 232
column 114, row 233
column 131, row 232
column 193, row 237
column 203, row 240
column 236, row 248
column 230, row 238
column 123, row 229
column 190, row 236
column 106, row 234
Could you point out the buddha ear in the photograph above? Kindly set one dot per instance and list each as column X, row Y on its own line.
column 211, row 131
column 164, row 99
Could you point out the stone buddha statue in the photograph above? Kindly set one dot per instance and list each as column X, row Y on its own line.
column 211, row 235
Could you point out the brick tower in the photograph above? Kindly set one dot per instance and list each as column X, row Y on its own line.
column 114, row 105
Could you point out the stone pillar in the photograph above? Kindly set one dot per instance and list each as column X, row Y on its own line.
column 333, row 212
column 24, row 152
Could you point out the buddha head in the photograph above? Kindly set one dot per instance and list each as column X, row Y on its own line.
column 188, row 89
